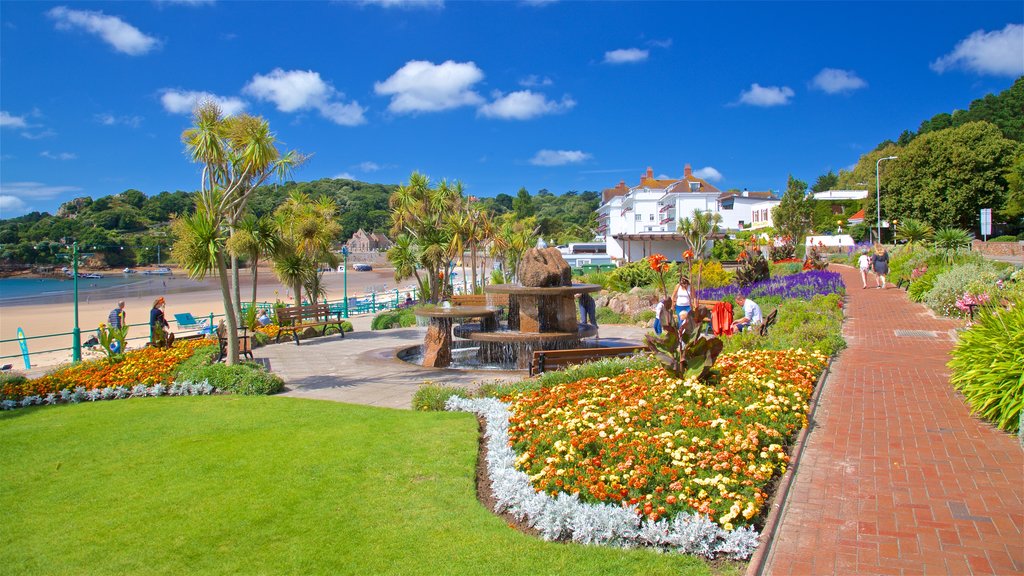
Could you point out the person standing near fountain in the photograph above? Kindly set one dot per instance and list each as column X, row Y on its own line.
column 588, row 309
column 683, row 298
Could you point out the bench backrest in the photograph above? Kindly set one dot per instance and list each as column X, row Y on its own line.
column 479, row 299
column 299, row 313
column 545, row 359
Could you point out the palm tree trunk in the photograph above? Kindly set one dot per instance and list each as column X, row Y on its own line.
column 236, row 289
column 255, row 277
column 463, row 263
column 298, row 292
column 472, row 257
column 229, row 311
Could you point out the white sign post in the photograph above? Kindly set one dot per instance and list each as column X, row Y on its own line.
column 986, row 223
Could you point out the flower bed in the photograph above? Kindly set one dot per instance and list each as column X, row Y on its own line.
column 147, row 366
column 804, row 286
column 665, row 446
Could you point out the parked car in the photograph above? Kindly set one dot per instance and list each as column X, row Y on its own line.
column 362, row 267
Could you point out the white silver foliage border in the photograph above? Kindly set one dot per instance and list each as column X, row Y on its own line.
column 565, row 517
column 80, row 394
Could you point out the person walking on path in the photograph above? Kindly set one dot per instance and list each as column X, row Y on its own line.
column 117, row 316
column 880, row 264
column 864, row 264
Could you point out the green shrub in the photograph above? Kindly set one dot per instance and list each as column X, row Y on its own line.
column 712, row 275
column 952, row 283
column 400, row 318
column 345, row 325
column 988, row 365
column 600, row 278
column 12, row 378
column 632, row 275
column 260, row 339
column 919, row 287
column 643, row 316
column 811, row 325
column 725, row 249
column 432, row 396
column 1005, row 238
column 606, row 315
column 784, row 269
column 203, row 357
column 247, row 378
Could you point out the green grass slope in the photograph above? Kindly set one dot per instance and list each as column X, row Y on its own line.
column 255, row 485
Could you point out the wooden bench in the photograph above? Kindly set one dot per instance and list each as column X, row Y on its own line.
column 295, row 318
column 244, row 344
column 544, row 360
column 480, row 300
column 769, row 321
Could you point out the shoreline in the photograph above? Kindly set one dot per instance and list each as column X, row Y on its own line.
column 49, row 315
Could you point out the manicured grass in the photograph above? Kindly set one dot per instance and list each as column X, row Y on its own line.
column 257, row 485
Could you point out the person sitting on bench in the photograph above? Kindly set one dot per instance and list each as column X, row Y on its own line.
column 751, row 313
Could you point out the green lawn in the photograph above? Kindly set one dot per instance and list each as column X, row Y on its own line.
column 258, row 485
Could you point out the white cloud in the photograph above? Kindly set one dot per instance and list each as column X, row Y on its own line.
column 9, row 121
column 295, row 90
column 404, row 3
column 626, row 56
column 344, row 176
column 666, row 43
column 835, row 81
column 38, row 135
column 537, row 2
column 187, row 2
column 999, row 53
column 664, row 177
column 58, row 156
column 121, row 35
column 10, row 203
column 523, row 105
column 108, row 119
column 766, row 95
column 184, row 101
column 369, row 166
column 708, row 173
column 34, row 190
column 421, row 86
column 533, row 81
column 559, row 157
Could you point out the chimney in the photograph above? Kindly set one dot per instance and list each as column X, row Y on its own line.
column 650, row 173
column 746, row 194
column 687, row 172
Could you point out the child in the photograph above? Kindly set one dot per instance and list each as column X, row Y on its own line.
column 864, row 264
column 659, row 309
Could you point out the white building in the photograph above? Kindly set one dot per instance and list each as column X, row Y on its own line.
column 641, row 220
column 841, row 195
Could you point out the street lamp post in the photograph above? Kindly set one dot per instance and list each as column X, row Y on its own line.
column 878, row 196
column 344, row 276
column 76, row 333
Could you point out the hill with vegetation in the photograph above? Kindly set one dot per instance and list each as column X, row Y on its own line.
column 131, row 228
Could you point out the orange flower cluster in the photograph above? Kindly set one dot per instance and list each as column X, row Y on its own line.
column 688, row 255
column 659, row 263
column 667, row 445
column 270, row 330
column 145, row 366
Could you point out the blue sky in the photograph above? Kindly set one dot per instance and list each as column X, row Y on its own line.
column 499, row 95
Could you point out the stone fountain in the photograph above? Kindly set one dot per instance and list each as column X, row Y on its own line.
column 541, row 316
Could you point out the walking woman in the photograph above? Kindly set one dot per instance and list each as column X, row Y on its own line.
column 880, row 264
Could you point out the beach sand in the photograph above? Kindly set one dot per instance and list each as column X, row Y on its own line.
column 183, row 295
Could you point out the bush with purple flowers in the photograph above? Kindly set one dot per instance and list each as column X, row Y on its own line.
column 803, row 286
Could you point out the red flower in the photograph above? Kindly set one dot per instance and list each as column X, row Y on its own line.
column 658, row 262
column 688, row 255
column 743, row 254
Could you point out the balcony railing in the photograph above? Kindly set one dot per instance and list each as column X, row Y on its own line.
column 667, row 219
column 667, row 207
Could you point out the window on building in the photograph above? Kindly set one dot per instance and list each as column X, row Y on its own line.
column 639, row 217
column 652, row 218
column 694, row 186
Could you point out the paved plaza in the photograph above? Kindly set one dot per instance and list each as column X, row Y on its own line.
column 362, row 368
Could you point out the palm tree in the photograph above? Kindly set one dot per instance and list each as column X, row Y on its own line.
column 306, row 232
column 254, row 238
column 952, row 240
column 424, row 213
column 912, row 230
column 238, row 154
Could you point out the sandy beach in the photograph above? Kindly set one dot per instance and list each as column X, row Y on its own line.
column 200, row 298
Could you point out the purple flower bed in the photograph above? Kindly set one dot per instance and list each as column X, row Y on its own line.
column 804, row 286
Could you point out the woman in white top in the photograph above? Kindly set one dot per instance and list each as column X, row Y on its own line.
column 864, row 263
column 682, row 297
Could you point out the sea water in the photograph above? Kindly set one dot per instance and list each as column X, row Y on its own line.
column 43, row 290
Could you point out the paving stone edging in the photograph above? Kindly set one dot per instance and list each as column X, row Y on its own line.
column 760, row 557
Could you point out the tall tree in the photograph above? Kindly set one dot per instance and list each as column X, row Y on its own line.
column 306, row 231
column 793, row 215
column 237, row 153
column 825, row 182
column 522, row 204
column 254, row 238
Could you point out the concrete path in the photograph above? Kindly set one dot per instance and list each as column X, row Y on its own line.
column 362, row 368
column 897, row 476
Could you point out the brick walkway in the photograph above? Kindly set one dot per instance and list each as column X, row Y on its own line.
column 897, row 477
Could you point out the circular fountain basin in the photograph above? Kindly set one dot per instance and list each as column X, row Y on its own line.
column 472, row 332
column 456, row 312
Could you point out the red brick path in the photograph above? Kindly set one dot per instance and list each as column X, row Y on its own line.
column 897, row 477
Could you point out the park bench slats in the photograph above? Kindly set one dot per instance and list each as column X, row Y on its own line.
column 295, row 318
column 553, row 359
